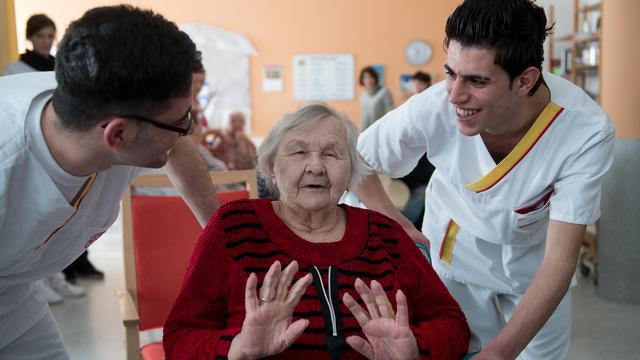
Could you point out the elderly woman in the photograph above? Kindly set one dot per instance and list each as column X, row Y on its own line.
column 334, row 254
column 232, row 145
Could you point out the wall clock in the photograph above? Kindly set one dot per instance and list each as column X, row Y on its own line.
column 417, row 52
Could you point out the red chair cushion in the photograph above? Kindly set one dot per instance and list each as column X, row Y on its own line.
column 153, row 351
column 164, row 234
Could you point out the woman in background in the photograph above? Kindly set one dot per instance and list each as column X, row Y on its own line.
column 375, row 101
column 41, row 32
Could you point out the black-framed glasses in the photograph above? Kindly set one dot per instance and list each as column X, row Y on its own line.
column 181, row 131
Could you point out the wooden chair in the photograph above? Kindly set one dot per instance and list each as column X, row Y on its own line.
column 159, row 234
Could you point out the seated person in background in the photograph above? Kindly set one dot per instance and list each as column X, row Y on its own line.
column 420, row 81
column 232, row 145
column 343, row 252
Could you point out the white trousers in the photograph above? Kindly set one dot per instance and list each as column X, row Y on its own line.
column 28, row 329
column 487, row 311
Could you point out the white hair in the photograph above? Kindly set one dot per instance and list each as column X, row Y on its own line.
column 226, row 117
column 302, row 116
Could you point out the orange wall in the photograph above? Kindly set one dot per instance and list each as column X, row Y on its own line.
column 375, row 31
column 8, row 44
column 620, row 72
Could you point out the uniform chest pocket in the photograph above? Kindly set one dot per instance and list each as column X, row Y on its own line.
column 528, row 217
column 530, row 222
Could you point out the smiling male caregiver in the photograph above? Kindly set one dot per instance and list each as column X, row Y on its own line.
column 519, row 156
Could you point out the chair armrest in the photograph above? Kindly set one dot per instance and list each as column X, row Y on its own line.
column 128, row 310
column 130, row 319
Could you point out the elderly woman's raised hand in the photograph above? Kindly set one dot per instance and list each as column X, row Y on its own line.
column 388, row 334
column 267, row 327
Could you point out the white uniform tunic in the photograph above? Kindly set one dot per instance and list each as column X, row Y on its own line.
column 18, row 67
column 487, row 222
column 40, row 231
column 500, row 236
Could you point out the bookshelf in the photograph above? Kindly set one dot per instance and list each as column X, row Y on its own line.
column 578, row 58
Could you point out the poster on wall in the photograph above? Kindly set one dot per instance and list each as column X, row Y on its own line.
column 323, row 77
column 272, row 80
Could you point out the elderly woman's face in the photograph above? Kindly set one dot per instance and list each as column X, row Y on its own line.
column 236, row 123
column 312, row 167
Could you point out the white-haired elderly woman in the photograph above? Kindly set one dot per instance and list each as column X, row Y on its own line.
column 238, row 302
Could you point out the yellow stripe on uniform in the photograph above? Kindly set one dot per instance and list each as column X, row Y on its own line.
column 77, row 199
column 83, row 191
column 539, row 127
column 448, row 242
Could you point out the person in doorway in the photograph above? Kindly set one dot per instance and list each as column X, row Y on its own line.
column 119, row 101
column 519, row 156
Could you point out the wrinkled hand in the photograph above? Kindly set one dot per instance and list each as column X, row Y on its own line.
column 267, row 327
column 388, row 335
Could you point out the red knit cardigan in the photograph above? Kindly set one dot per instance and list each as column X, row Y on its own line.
column 247, row 236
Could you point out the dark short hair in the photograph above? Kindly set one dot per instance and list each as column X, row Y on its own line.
column 514, row 29
column 120, row 59
column 38, row 22
column 371, row 71
column 423, row 77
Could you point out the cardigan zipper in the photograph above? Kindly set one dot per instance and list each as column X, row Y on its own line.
column 327, row 297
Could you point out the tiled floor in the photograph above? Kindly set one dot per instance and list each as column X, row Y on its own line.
column 92, row 329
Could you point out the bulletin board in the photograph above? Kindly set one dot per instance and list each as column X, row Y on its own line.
column 323, row 77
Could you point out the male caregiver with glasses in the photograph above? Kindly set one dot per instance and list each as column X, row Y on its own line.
column 65, row 158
